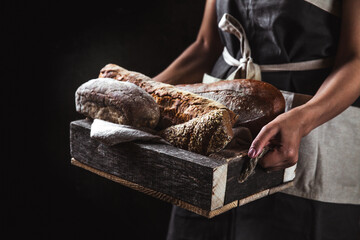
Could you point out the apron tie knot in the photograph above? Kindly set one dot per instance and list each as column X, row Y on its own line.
column 246, row 68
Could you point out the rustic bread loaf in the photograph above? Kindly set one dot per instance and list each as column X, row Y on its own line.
column 187, row 120
column 255, row 102
column 117, row 102
column 206, row 134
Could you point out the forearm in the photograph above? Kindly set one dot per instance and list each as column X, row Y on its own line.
column 342, row 87
column 338, row 92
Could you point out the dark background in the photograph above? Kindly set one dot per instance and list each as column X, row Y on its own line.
column 52, row 48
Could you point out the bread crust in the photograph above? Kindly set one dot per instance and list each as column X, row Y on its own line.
column 255, row 102
column 117, row 102
column 187, row 120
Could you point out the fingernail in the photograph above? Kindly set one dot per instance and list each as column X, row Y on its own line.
column 252, row 152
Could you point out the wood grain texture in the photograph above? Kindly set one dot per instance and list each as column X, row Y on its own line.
column 158, row 195
column 177, row 202
column 205, row 185
column 258, row 182
column 219, row 186
column 185, row 175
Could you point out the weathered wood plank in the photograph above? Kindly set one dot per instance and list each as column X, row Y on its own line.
column 184, row 175
column 203, row 212
column 205, row 185
column 258, row 182
column 159, row 195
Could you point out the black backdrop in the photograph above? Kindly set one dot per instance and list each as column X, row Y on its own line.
column 52, row 47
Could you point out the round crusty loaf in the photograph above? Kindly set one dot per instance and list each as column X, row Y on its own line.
column 117, row 102
column 255, row 102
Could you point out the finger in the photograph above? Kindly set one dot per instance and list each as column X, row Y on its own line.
column 273, row 169
column 262, row 139
column 272, row 159
column 279, row 158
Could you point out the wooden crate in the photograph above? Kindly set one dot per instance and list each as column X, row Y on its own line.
column 205, row 185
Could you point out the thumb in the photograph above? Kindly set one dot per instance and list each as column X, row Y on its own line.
column 262, row 140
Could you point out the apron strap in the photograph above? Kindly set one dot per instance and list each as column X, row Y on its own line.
column 296, row 66
column 299, row 66
column 246, row 68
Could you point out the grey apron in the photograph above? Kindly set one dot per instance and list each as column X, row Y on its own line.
column 329, row 159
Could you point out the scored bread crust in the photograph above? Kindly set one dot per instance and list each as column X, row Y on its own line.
column 187, row 120
column 255, row 102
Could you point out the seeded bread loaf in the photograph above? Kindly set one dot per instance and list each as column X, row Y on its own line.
column 255, row 102
column 187, row 120
column 117, row 102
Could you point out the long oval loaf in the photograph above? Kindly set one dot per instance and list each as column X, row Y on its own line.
column 255, row 102
column 187, row 120
column 117, row 102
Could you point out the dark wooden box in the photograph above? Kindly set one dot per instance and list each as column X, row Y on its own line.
column 205, row 185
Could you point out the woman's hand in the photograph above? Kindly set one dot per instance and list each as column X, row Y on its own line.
column 283, row 136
